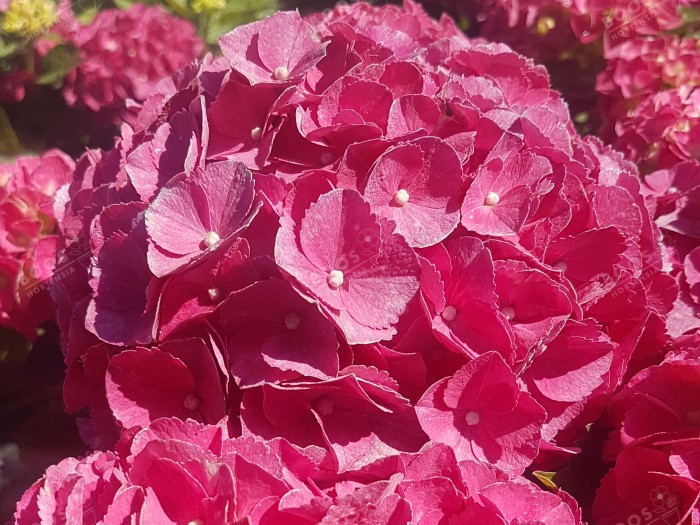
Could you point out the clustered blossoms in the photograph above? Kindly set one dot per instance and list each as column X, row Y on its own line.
column 656, row 445
column 651, row 101
column 123, row 55
column 29, row 238
column 646, row 55
column 68, row 82
column 362, row 269
column 676, row 199
column 184, row 472
column 553, row 29
column 120, row 54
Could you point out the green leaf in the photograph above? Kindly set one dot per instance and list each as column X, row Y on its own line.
column 7, row 48
column 179, row 7
column 547, row 479
column 9, row 143
column 236, row 13
column 87, row 15
column 57, row 64
column 13, row 346
column 123, row 4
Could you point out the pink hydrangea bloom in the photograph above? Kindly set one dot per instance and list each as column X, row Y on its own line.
column 376, row 257
column 29, row 240
column 649, row 101
column 483, row 415
column 206, row 209
column 125, row 53
column 279, row 49
column 174, row 472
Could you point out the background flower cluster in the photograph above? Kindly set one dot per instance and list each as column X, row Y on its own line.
column 69, row 71
column 362, row 268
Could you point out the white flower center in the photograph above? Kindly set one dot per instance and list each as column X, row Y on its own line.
column 324, row 406
column 449, row 313
column 256, row 133
column 491, row 199
column 401, row 197
column 561, row 265
column 191, row 401
column 472, row 418
column 292, row 321
column 508, row 312
column 281, row 73
column 336, row 279
column 211, row 238
column 214, row 294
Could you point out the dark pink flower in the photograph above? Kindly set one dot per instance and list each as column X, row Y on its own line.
column 340, row 253
column 272, row 333
column 567, row 370
column 359, row 421
column 177, row 379
column 123, row 312
column 417, row 185
column 206, row 209
column 28, row 240
column 502, row 194
column 643, row 485
column 191, row 294
column 125, row 53
column 279, row 49
column 659, row 405
column 173, row 472
column 459, row 291
column 483, row 415
column 535, row 305
column 74, row 490
column 174, row 148
column 240, row 128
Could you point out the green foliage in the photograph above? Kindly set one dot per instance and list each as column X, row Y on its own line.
column 546, row 479
column 57, row 64
column 236, row 12
column 8, row 47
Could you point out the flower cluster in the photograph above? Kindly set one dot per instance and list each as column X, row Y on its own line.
column 651, row 102
column 123, row 54
column 655, row 446
column 174, row 472
column 29, row 238
column 646, row 53
column 676, row 197
column 366, row 241
column 68, row 82
column 544, row 28
column 655, row 442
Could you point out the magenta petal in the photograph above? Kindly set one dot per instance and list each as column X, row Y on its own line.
column 270, row 323
column 375, row 271
column 144, row 384
column 574, row 364
column 204, row 209
column 121, row 311
column 417, row 185
column 482, row 414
